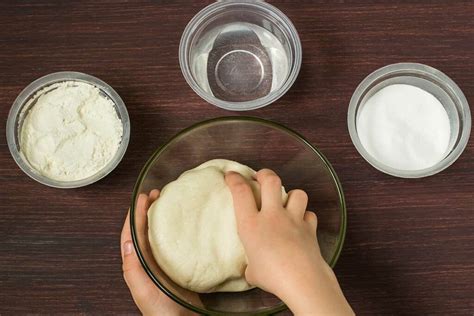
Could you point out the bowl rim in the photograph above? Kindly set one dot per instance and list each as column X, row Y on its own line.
column 161, row 149
column 29, row 91
column 197, row 20
column 410, row 69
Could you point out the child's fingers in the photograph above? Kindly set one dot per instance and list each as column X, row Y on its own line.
column 154, row 194
column 297, row 203
column 312, row 219
column 270, row 185
column 152, row 197
column 140, row 213
column 244, row 201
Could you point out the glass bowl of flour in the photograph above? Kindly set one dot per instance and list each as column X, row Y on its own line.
column 252, row 142
column 68, row 129
column 409, row 120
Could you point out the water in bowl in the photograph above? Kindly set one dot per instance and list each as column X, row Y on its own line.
column 239, row 62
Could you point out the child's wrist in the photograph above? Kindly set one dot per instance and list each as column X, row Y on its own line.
column 299, row 289
column 311, row 292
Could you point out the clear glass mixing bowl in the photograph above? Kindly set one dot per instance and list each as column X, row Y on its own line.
column 258, row 144
column 240, row 55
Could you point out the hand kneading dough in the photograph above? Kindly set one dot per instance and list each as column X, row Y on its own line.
column 193, row 233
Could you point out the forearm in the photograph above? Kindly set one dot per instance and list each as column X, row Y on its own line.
column 316, row 293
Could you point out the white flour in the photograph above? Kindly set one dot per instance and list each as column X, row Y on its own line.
column 404, row 127
column 71, row 132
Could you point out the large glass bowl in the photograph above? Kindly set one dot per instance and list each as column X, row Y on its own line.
column 258, row 144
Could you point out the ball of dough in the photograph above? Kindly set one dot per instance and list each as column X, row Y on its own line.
column 193, row 233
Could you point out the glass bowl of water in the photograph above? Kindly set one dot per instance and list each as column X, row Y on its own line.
column 240, row 55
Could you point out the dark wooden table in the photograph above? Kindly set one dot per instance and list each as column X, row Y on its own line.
column 410, row 243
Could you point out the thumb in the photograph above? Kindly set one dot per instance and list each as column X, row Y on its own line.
column 143, row 290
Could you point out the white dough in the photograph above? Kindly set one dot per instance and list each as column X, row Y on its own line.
column 193, row 233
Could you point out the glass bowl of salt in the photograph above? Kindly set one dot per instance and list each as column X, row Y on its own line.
column 409, row 120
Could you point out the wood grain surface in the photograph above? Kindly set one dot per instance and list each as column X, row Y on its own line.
column 409, row 247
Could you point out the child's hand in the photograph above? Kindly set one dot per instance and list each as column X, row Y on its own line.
column 281, row 247
column 149, row 299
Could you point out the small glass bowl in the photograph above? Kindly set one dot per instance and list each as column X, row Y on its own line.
column 259, row 144
column 226, row 54
column 430, row 80
column 18, row 113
